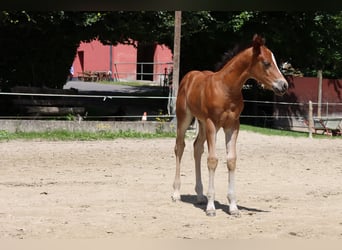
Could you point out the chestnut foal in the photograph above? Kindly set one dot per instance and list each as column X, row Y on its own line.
column 215, row 99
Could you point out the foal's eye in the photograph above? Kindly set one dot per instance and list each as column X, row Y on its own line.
column 267, row 64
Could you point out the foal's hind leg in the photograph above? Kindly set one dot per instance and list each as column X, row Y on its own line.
column 198, row 151
column 183, row 122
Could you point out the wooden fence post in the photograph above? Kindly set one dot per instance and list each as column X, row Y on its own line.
column 319, row 107
column 176, row 58
column 310, row 117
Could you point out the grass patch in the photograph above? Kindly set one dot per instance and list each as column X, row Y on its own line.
column 270, row 131
column 131, row 84
column 279, row 132
column 63, row 135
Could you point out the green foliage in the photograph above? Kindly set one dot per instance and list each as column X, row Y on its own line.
column 163, row 120
column 239, row 20
column 308, row 40
column 4, row 135
column 39, row 47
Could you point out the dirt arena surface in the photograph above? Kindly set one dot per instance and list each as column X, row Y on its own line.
column 287, row 188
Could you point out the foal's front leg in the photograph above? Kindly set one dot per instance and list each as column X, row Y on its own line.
column 212, row 164
column 231, row 137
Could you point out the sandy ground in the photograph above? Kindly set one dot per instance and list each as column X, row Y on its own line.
column 286, row 188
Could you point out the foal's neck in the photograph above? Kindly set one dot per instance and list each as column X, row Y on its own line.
column 235, row 73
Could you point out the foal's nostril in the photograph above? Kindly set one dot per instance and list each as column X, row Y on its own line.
column 283, row 85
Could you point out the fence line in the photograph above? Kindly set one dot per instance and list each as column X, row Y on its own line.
column 299, row 120
column 160, row 116
column 152, row 97
column 86, row 96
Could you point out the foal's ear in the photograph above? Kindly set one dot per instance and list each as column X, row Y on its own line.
column 257, row 42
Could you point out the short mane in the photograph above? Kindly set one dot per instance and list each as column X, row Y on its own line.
column 228, row 55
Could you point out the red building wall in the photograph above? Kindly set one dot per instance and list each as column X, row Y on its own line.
column 305, row 89
column 96, row 56
column 124, row 61
column 121, row 60
column 162, row 55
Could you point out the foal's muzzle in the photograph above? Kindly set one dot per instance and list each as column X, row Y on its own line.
column 280, row 87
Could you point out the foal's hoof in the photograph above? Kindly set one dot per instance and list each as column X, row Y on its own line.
column 211, row 213
column 175, row 198
column 235, row 213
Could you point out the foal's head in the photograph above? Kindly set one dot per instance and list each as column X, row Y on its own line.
column 264, row 68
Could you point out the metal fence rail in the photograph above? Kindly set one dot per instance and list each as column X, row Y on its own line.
column 157, row 72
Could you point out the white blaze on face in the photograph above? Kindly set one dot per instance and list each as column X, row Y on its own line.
column 275, row 63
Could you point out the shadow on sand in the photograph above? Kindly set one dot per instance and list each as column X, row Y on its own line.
column 192, row 199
